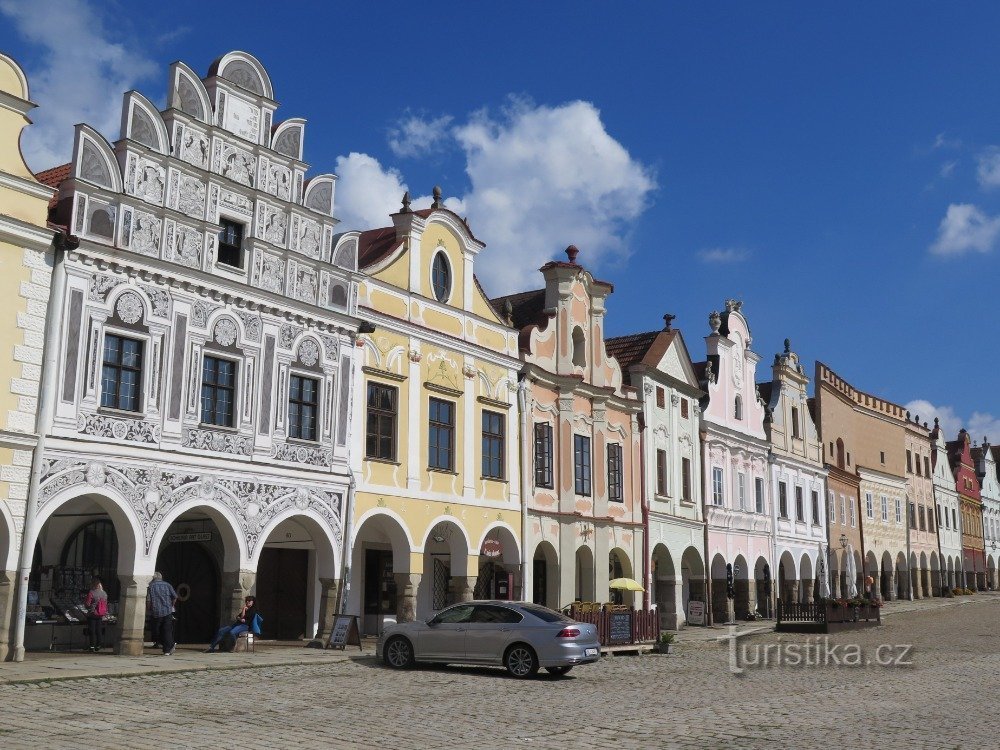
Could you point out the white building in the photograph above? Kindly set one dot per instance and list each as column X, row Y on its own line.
column 658, row 366
column 949, row 515
column 987, row 457
column 798, row 478
column 204, row 364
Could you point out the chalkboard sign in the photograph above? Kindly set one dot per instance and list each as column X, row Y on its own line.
column 696, row 613
column 345, row 632
column 620, row 627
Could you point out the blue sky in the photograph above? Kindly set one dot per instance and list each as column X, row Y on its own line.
column 837, row 169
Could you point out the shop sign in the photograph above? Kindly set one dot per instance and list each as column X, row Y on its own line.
column 696, row 613
column 492, row 548
column 204, row 536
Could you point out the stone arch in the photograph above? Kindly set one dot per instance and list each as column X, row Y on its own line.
column 188, row 93
column 508, row 538
column 245, row 71
column 383, row 581
column 887, row 575
column 764, row 585
column 94, row 160
column 8, row 541
column 665, row 586
column 836, row 568
column 126, row 311
column 692, row 578
column 545, row 575
column 287, row 137
column 498, row 576
column 345, row 251
column 458, row 545
column 319, row 194
column 720, row 593
column 236, row 555
column 807, row 579
column 788, row 579
column 144, row 123
column 744, row 599
column 585, row 583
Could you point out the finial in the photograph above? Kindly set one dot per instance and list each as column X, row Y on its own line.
column 935, row 423
column 715, row 321
column 917, row 419
column 571, row 252
column 907, row 415
column 668, row 321
column 436, row 192
column 788, row 346
column 406, row 203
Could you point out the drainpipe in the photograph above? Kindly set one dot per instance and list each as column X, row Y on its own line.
column 644, row 500
column 345, row 568
column 709, row 616
column 526, row 485
column 43, row 421
column 909, row 521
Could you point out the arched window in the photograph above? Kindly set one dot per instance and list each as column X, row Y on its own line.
column 441, row 277
column 840, row 453
column 738, row 407
column 579, row 348
column 93, row 550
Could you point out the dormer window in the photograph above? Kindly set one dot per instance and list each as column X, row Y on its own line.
column 579, row 348
column 441, row 277
column 231, row 244
column 738, row 408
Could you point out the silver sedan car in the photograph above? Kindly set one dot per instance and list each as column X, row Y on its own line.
column 517, row 635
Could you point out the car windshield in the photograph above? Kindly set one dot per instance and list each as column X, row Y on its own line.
column 544, row 613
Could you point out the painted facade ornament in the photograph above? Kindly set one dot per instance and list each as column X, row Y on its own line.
column 217, row 441
column 131, row 430
column 302, row 454
column 225, row 332
column 96, row 474
column 129, row 307
column 715, row 322
column 308, row 352
column 100, row 285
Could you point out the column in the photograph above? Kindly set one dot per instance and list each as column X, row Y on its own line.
column 464, row 588
column 807, row 590
column 790, row 595
column 406, row 596
column 8, row 607
column 132, row 614
column 741, row 604
column 329, row 589
column 722, row 605
column 666, row 602
column 236, row 586
column 915, row 584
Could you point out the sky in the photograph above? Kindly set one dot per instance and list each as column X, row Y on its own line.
column 837, row 169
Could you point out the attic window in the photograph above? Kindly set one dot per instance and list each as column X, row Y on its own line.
column 441, row 277
column 579, row 348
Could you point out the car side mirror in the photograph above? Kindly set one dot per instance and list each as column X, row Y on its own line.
column 432, row 622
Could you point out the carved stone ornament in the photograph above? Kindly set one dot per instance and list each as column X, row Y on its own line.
column 251, row 324
column 308, row 352
column 129, row 307
column 714, row 321
column 272, row 274
column 191, row 200
column 302, row 454
column 225, row 332
column 100, row 285
column 159, row 300
column 287, row 335
column 146, row 234
column 201, row 311
column 132, row 430
column 218, row 441
column 194, row 148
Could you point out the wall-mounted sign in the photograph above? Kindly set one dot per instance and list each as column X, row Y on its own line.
column 492, row 548
column 696, row 613
column 203, row 536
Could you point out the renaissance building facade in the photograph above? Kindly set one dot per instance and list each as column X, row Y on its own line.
column 985, row 457
column 948, row 517
column 970, row 506
column 204, row 365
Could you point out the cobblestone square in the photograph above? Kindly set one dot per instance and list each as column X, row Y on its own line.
column 944, row 700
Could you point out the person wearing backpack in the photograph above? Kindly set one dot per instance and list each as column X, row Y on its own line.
column 227, row 634
column 96, row 603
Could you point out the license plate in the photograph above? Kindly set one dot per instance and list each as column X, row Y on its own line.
column 590, row 652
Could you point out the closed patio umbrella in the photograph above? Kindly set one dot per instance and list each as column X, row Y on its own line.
column 824, row 579
column 852, row 574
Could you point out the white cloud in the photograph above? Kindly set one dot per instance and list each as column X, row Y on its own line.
column 948, row 168
column 541, row 178
column 979, row 424
column 723, row 255
column 966, row 228
column 80, row 77
column 943, row 141
column 416, row 136
column 988, row 169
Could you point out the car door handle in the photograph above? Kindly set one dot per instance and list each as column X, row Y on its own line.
column 504, row 630
column 459, row 630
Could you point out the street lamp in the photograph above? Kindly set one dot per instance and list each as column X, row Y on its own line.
column 843, row 541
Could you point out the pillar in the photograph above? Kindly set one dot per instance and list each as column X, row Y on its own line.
column 666, row 602
column 329, row 590
column 132, row 614
column 406, row 596
column 981, row 580
column 8, row 607
column 464, row 588
column 807, row 590
column 722, row 605
column 915, row 586
column 237, row 585
column 970, row 580
column 790, row 594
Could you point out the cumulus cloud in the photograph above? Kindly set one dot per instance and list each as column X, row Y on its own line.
column 941, row 140
column 965, row 228
column 979, row 424
column 988, row 167
column 416, row 136
column 541, row 178
column 80, row 76
column 722, row 255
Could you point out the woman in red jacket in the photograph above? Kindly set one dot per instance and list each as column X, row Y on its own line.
column 97, row 607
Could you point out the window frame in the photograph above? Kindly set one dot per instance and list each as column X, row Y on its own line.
column 440, row 426
column 884, row 501
column 616, row 471
column 741, row 489
column 449, row 280
column 544, row 473
column 226, row 223
column 758, row 492
column 661, row 471
column 234, row 389
column 870, row 504
column 119, row 368
column 718, row 497
column 582, row 465
column 814, row 496
column 783, row 500
column 391, row 414
column 302, row 403
column 496, row 441
column 686, row 479
column 800, row 509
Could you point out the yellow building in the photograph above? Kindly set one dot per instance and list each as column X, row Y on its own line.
column 25, row 274
column 437, row 507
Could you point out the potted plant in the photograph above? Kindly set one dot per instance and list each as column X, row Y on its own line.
column 666, row 643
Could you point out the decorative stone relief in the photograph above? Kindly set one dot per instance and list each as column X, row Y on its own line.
column 309, row 238
column 159, row 300
column 93, row 167
column 274, row 225
column 251, row 324
column 201, row 311
column 129, row 307
column 150, row 181
column 101, row 220
column 220, row 442
column 308, row 352
column 271, row 275
column 279, row 181
column 189, row 246
column 225, row 332
column 146, row 234
column 288, row 142
column 302, row 454
column 238, row 165
column 320, row 198
column 243, row 75
column 188, row 98
column 133, row 430
column 194, row 148
column 305, row 285
column 287, row 335
column 236, row 202
column 332, row 347
column 191, row 198
column 100, row 285
column 143, row 130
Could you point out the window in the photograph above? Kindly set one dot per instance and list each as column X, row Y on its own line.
column 899, row 511
column 795, row 422
column 441, row 277
column 441, row 442
column 927, row 466
column 661, row 397
column 919, row 472
column 954, row 519
column 882, row 456
column 815, row 508
column 579, row 348
column 848, row 458
column 869, row 505
column 885, row 508
column 493, row 445
column 231, row 244
column 909, row 461
column 850, row 505
column 303, row 396
column 716, row 485
column 686, row 479
column 840, row 453
column 121, row 376
column 937, row 512
column 758, row 489
column 800, row 512
column 581, row 464
column 543, row 455
column 661, row 471
column 843, row 510
column 831, row 512
column 782, row 500
column 741, row 486
column 615, row 486
column 912, row 513
column 738, row 407
column 923, row 518
column 930, row 520
column 380, row 432
column 218, row 391
column 684, row 408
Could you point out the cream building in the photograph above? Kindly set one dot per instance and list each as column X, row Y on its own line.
column 922, row 530
column 437, row 512
column 657, row 365
column 26, row 256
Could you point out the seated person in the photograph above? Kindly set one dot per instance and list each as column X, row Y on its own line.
column 243, row 623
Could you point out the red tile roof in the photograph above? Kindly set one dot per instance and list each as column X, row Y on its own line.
column 630, row 349
column 52, row 178
column 376, row 245
column 526, row 308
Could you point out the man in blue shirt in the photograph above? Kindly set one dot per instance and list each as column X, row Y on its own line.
column 161, row 599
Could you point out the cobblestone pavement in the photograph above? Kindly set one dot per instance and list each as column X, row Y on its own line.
column 945, row 699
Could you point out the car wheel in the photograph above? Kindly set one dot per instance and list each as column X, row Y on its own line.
column 399, row 653
column 558, row 671
column 521, row 661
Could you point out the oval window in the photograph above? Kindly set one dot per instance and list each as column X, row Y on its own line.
column 441, row 277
